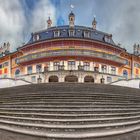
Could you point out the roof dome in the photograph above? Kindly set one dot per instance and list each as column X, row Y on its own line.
column 71, row 14
column 60, row 21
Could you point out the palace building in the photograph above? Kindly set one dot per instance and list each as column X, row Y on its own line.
column 70, row 53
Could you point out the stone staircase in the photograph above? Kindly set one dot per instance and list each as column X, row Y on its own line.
column 70, row 111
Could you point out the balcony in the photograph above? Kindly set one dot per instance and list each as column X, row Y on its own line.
column 73, row 52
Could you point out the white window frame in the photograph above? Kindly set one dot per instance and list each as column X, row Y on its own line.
column 56, row 33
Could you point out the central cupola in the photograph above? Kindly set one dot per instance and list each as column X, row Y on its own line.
column 71, row 19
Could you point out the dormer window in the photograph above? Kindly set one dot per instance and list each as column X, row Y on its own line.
column 36, row 37
column 71, row 33
column 107, row 39
column 56, row 33
column 86, row 34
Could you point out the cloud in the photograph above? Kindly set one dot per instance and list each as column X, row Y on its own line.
column 122, row 19
column 119, row 17
column 42, row 10
column 18, row 21
column 12, row 21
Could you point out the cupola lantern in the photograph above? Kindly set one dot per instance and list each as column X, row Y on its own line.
column 94, row 23
column 49, row 22
column 71, row 18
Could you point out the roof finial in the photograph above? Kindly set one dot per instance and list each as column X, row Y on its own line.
column 49, row 21
column 71, row 17
column 94, row 23
column 72, row 7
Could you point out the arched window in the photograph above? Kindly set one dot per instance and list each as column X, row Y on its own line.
column 125, row 73
column 53, row 79
column 89, row 79
column 17, row 72
column 71, row 78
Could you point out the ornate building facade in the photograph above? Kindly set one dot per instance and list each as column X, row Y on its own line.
column 70, row 53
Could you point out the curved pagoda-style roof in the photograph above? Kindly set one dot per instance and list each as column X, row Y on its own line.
column 80, row 32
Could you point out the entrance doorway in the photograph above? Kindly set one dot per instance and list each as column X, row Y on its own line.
column 53, row 79
column 89, row 79
column 71, row 78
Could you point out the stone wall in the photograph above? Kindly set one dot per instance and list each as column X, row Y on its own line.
column 134, row 83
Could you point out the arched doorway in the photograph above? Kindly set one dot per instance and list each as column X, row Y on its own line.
column 17, row 73
column 53, row 79
column 71, row 78
column 89, row 79
column 125, row 74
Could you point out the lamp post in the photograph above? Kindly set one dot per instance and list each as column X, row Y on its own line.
column 39, row 80
column 61, row 69
column 102, row 80
column 46, row 69
column 80, row 73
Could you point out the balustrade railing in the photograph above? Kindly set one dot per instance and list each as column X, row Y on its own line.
column 87, row 53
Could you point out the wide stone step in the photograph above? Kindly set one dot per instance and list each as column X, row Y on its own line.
column 61, row 97
column 66, row 106
column 69, row 116
column 71, row 110
column 70, row 103
column 69, row 128
column 71, row 100
column 71, row 121
column 68, row 95
column 73, row 135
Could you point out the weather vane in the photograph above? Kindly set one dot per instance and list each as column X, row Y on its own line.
column 49, row 14
column 72, row 7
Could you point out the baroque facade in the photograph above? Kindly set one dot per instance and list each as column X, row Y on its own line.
column 70, row 53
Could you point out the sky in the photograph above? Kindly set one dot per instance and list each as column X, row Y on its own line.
column 19, row 18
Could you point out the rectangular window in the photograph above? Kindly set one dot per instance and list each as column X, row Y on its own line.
column 56, row 65
column 71, row 65
column 5, row 64
column 38, row 68
column 86, row 66
column 71, row 33
column 5, row 76
column 86, row 34
column 104, row 69
column 29, row 70
column 137, row 71
column 127, row 62
column 137, row 65
column 96, row 69
column 109, row 79
column 33, row 79
column 0, row 72
column 47, row 66
column 1, row 66
column 56, row 33
column 5, row 71
column 113, row 70
column 36, row 37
